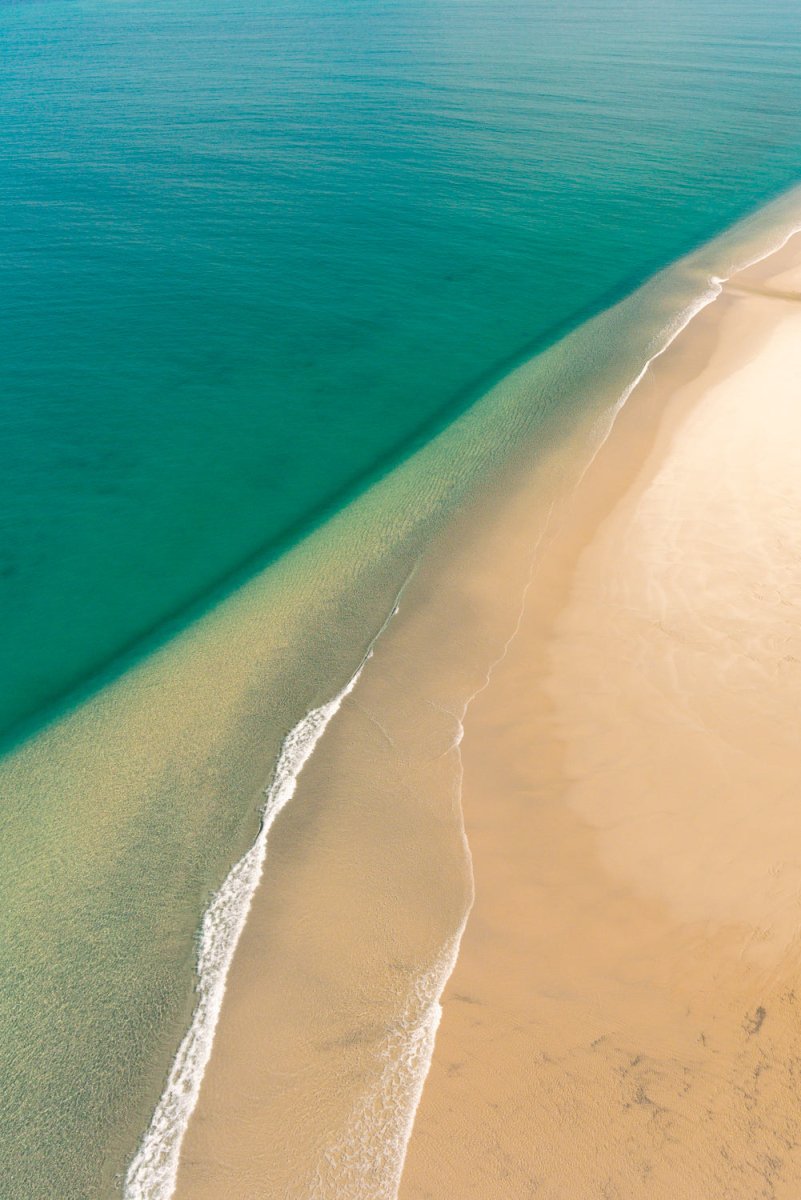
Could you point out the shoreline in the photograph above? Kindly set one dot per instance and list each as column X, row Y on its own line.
column 622, row 405
column 153, row 1170
column 487, row 1124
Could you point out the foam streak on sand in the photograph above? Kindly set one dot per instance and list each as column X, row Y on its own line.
column 376, row 1157
column 367, row 1159
column 372, row 1150
column 153, row 1171
column 370, row 1153
column 683, row 319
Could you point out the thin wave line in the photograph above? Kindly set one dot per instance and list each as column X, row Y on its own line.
column 153, row 1171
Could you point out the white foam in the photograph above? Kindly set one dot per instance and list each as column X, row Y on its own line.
column 366, row 1161
column 714, row 289
column 153, row 1172
column 606, row 422
column 773, row 248
column 371, row 1152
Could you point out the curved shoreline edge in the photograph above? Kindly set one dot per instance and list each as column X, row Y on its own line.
column 153, row 1172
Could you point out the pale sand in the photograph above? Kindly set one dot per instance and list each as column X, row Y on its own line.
column 621, row 1019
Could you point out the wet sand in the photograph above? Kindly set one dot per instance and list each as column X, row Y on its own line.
column 624, row 1018
column 621, row 1020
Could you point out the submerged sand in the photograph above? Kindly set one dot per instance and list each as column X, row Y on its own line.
column 621, row 1020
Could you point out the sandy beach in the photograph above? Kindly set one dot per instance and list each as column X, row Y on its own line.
column 622, row 1017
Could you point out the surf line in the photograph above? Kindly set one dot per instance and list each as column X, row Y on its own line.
column 715, row 288
column 153, row 1171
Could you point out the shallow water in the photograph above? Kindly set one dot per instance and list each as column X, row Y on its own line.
column 248, row 256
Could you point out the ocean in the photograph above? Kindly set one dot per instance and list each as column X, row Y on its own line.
column 258, row 262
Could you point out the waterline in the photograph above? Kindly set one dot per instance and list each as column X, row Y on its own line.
column 153, row 1172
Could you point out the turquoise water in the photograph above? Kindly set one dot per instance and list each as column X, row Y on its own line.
column 251, row 258
column 250, row 254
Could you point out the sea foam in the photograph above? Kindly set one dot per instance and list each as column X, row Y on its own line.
column 677, row 325
column 153, row 1172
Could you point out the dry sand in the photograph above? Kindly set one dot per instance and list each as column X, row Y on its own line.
column 622, row 1020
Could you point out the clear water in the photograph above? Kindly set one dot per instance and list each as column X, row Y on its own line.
column 249, row 254
column 251, row 258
